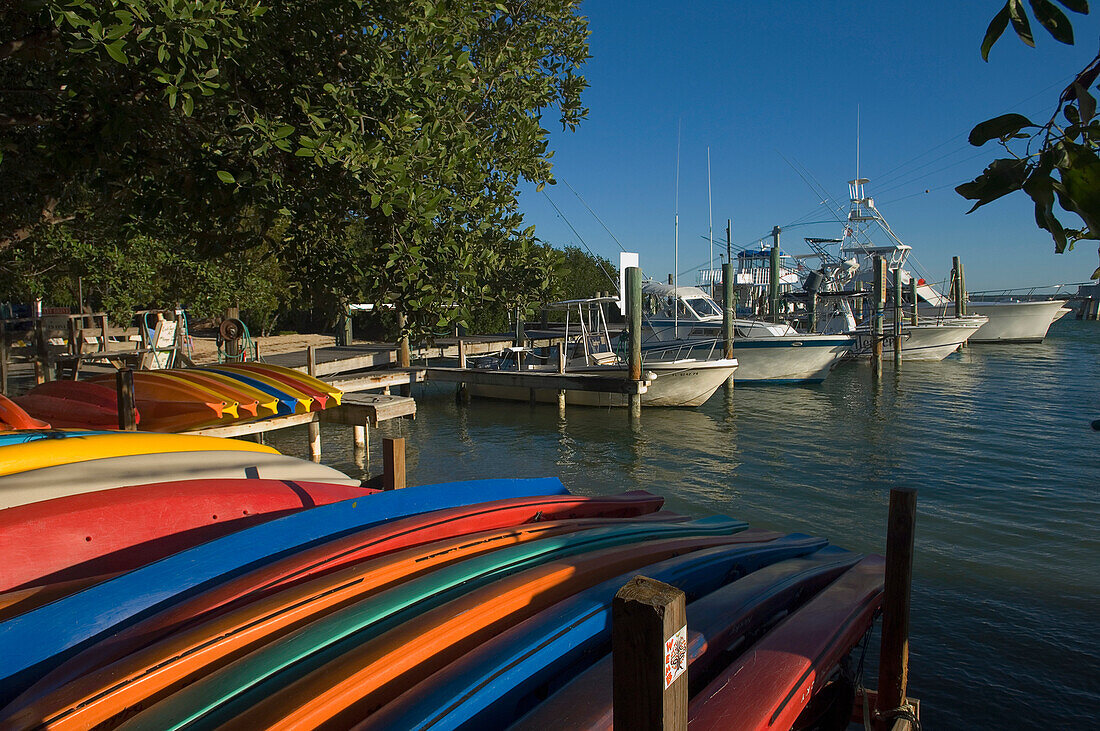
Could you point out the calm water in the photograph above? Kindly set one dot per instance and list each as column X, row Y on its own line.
column 1006, row 613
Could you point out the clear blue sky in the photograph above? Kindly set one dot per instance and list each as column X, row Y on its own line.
column 757, row 82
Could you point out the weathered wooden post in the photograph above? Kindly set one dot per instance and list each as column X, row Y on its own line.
column 957, row 291
column 727, row 310
column 649, row 657
column 393, row 463
column 897, row 316
column 634, row 315
column 361, row 437
column 878, row 310
column 773, row 277
column 403, row 358
column 124, row 390
column 894, row 649
column 913, row 300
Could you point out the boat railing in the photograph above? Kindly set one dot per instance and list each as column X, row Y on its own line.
column 681, row 350
column 1036, row 293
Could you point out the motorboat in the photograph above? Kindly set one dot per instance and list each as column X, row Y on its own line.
column 688, row 318
column 676, row 379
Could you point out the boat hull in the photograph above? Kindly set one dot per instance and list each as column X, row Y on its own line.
column 923, row 342
column 676, row 384
column 1013, row 322
column 780, row 359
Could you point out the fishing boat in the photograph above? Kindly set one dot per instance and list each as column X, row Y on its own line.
column 768, row 352
column 676, row 380
column 1007, row 320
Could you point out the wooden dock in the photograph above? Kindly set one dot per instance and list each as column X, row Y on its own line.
column 344, row 358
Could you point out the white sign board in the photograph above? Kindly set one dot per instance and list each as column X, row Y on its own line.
column 626, row 259
column 676, row 656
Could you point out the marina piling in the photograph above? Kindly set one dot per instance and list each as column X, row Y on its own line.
column 561, row 369
column 727, row 310
column 393, row 463
column 403, row 358
column 773, row 277
column 958, row 286
column 634, row 313
column 913, row 300
column 462, row 391
column 894, row 649
column 879, row 308
column 897, row 317
column 127, row 410
column 649, row 651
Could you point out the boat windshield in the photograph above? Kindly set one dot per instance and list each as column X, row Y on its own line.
column 704, row 307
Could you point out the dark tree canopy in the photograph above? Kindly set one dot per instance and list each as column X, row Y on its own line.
column 374, row 148
column 1053, row 162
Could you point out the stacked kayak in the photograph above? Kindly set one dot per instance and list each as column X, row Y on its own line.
column 480, row 604
column 180, row 399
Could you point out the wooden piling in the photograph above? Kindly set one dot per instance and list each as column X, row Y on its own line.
column 314, row 440
column 894, row 649
column 127, row 409
column 561, row 369
column 649, row 651
column 957, row 292
column 634, row 324
column 393, row 463
column 773, row 277
column 913, row 300
column 42, row 371
column 311, row 360
column 897, row 316
column 727, row 310
column 361, row 437
column 878, row 310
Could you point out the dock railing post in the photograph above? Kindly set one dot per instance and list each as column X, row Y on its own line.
column 879, row 308
column 649, row 656
column 634, row 312
column 897, row 316
column 393, row 463
column 124, row 390
column 894, row 649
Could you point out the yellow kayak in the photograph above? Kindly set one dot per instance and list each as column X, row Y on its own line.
column 16, row 458
column 289, row 373
column 231, row 388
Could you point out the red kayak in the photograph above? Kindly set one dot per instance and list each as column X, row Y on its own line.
column 12, row 416
column 108, row 531
column 332, row 555
column 770, row 683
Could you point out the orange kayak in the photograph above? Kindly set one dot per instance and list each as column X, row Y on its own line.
column 344, row 690
column 154, row 672
column 232, row 390
column 289, row 375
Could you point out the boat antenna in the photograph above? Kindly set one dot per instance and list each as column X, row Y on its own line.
column 710, row 229
column 729, row 240
column 857, row 141
column 676, row 234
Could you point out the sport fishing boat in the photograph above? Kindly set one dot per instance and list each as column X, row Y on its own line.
column 1008, row 320
column 677, row 379
column 688, row 318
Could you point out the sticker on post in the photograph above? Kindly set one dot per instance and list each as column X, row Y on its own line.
column 675, row 656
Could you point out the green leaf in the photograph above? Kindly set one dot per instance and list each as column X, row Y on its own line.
column 999, row 179
column 387, row 208
column 1081, row 185
column 1020, row 22
column 114, row 50
column 1086, row 103
column 1000, row 127
column 226, row 177
column 188, row 105
column 1077, row 6
column 1040, row 186
column 285, row 131
column 1054, row 20
column 996, row 28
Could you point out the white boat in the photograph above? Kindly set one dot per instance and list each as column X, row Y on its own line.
column 689, row 318
column 1008, row 320
column 675, row 380
column 931, row 339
